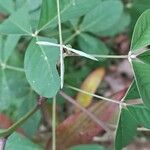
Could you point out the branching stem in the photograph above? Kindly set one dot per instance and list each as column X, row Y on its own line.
column 7, row 132
column 16, row 125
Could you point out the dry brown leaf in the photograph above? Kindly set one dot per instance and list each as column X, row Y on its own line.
column 90, row 84
column 80, row 129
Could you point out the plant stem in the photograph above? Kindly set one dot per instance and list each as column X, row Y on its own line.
column 99, row 122
column 110, row 56
column 54, row 124
column 74, row 51
column 127, row 92
column 94, row 95
column 61, row 45
column 105, row 56
column 78, row 52
column 12, row 128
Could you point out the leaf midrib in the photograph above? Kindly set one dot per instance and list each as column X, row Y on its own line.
column 47, row 62
column 20, row 26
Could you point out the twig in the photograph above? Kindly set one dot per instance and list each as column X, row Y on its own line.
column 99, row 122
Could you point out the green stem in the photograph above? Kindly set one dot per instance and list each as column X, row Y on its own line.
column 11, row 129
column 54, row 124
column 102, row 56
column 94, row 95
column 61, row 44
column 111, row 56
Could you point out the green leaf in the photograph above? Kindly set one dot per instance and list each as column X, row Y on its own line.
column 28, row 102
column 141, row 73
column 88, row 147
column 48, row 12
column 37, row 4
column 17, row 23
column 141, row 114
column 123, row 22
column 9, row 92
column 130, row 118
column 133, row 92
column 17, row 141
column 126, row 129
column 141, row 34
column 69, row 9
column 9, row 47
column 92, row 45
column 7, row 6
column 141, row 6
column 100, row 19
column 10, row 76
column 40, row 68
column 136, row 8
column 145, row 57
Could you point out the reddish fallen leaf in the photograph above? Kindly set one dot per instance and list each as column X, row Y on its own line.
column 80, row 129
column 5, row 122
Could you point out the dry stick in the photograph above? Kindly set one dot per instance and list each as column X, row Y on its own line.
column 99, row 122
column 61, row 45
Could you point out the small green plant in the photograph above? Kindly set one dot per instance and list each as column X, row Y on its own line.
column 44, row 35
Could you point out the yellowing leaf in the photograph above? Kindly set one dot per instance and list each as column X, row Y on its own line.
column 90, row 85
